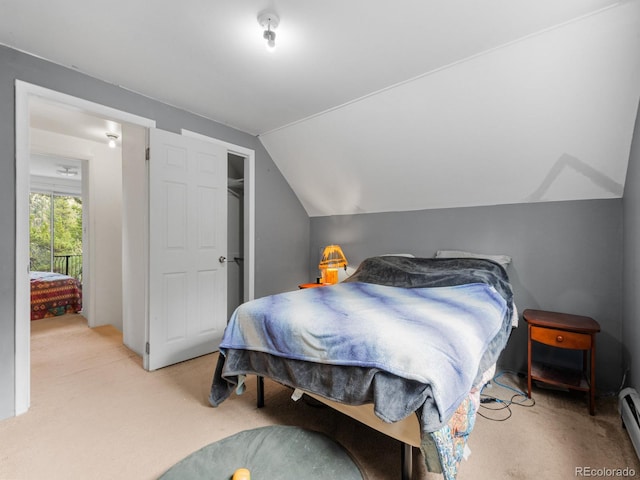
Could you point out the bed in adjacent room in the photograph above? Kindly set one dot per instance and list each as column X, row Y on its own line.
column 54, row 294
column 412, row 339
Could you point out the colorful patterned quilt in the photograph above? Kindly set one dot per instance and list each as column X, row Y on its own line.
column 54, row 294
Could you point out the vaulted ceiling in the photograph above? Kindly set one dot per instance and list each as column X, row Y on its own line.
column 369, row 107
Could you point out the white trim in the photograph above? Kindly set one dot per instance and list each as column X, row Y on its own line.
column 249, row 206
column 24, row 92
column 22, row 317
column 55, row 186
column 94, row 108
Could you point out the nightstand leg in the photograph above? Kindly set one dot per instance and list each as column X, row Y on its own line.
column 529, row 361
column 592, row 373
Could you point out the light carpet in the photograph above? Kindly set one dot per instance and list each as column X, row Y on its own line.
column 95, row 413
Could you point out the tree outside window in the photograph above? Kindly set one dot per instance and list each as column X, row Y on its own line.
column 56, row 234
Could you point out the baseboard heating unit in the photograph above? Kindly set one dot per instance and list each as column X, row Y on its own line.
column 629, row 407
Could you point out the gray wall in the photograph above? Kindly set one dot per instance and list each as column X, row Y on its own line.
column 282, row 225
column 567, row 257
column 631, row 312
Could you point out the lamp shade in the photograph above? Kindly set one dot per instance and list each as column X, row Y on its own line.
column 332, row 260
column 332, row 257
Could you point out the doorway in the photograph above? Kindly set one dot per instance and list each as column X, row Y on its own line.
column 26, row 93
column 70, row 151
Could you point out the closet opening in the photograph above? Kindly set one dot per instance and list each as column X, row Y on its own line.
column 235, row 232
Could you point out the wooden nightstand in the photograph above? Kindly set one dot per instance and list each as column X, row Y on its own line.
column 310, row 285
column 562, row 330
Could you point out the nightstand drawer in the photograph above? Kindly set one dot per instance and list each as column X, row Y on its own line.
column 561, row 338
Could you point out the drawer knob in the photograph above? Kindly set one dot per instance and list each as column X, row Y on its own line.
column 559, row 339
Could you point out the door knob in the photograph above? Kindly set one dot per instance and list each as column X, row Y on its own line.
column 222, row 259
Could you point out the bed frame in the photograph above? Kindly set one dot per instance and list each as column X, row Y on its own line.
column 407, row 431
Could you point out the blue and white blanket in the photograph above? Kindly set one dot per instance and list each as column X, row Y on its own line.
column 419, row 346
column 427, row 335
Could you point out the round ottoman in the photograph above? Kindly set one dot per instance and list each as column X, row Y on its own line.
column 270, row 453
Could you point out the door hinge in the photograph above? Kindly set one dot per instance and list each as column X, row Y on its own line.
column 147, row 348
column 147, row 154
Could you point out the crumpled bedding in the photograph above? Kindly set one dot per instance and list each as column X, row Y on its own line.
column 436, row 272
column 388, row 300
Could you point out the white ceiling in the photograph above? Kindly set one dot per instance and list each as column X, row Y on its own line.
column 64, row 121
column 68, row 120
column 67, row 169
column 366, row 107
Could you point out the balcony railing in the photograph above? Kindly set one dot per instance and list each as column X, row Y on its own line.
column 69, row 265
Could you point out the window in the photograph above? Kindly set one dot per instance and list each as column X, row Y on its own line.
column 56, row 233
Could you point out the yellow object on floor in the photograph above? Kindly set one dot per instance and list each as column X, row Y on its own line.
column 241, row 474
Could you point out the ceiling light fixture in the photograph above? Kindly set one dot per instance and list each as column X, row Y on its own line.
column 67, row 171
column 112, row 139
column 269, row 21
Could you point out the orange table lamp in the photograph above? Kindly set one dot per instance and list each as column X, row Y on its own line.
column 332, row 260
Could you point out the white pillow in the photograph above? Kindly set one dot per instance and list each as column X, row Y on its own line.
column 503, row 260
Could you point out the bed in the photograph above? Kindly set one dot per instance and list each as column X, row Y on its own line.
column 54, row 294
column 410, row 340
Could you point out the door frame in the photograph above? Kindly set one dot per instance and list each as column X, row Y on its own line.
column 24, row 92
column 248, row 209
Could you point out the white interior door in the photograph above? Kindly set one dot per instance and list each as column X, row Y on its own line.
column 187, row 245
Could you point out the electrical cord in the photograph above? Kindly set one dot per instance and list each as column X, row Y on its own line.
column 519, row 398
